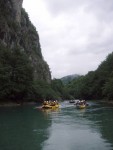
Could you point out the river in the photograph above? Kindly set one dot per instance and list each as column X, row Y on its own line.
column 68, row 128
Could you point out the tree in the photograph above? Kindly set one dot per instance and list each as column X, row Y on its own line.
column 108, row 89
column 96, row 84
column 16, row 74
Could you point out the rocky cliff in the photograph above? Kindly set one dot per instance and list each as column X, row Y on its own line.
column 16, row 30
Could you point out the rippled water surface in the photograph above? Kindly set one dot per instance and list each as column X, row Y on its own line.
column 68, row 128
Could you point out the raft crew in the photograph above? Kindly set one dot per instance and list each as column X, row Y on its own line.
column 51, row 103
column 81, row 102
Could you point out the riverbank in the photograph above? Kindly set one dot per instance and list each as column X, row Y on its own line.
column 12, row 104
column 107, row 102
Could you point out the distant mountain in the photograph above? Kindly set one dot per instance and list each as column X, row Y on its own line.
column 67, row 79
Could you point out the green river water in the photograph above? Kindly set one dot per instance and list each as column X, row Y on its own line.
column 69, row 128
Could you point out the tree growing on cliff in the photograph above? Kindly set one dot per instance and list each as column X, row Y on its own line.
column 16, row 74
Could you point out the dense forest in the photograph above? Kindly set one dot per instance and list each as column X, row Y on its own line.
column 17, row 80
column 17, row 84
column 25, row 75
column 22, row 66
column 96, row 84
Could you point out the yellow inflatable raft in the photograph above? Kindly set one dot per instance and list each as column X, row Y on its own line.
column 81, row 106
column 50, row 104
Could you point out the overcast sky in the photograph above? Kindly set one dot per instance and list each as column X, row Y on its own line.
column 75, row 35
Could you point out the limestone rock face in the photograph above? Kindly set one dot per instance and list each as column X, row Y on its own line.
column 16, row 30
column 17, row 5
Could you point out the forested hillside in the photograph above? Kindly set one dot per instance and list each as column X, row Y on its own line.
column 25, row 75
column 96, row 84
column 21, row 62
column 67, row 79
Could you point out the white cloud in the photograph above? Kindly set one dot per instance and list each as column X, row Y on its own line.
column 75, row 36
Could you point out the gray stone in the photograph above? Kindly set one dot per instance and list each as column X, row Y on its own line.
column 16, row 30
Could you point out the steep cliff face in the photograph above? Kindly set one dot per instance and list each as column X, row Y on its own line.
column 17, row 5
column 16, row 30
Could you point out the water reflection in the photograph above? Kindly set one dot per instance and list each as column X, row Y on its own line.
column 68, row 128
column 77, row 129
column 49, row 111
column 23, row 128
column 102, row 116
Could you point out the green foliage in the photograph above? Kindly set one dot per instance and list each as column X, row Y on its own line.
column 16, row 74
column 76, row 87
column 43, row 91
column 60, row 89
column 24, row 18
column 69, row 78
column 108, row 89
column 17, row 82
column 20, row 68
column 96, row 84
